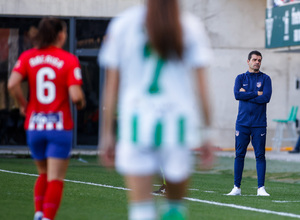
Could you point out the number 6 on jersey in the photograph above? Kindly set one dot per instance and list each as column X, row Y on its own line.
column 43, row 85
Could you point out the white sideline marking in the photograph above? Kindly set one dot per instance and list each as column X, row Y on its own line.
column 278, row 201
column 186, row 198
column 207, row 191
column 96, row 184
column 66, row 180
column 244, row 208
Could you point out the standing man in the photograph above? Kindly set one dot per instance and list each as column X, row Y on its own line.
column 253, row 89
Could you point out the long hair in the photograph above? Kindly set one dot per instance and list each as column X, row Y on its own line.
column 164, row 28
column 48, row 31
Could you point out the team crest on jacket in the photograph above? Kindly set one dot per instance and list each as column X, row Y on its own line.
column 258, row 84
column 237, row 133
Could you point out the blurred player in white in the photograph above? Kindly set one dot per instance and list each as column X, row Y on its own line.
column 53, row 77
column 155, row 58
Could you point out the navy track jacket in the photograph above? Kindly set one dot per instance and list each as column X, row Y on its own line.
column 252, row 108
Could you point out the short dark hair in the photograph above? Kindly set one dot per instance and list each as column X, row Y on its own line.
column 255, row 52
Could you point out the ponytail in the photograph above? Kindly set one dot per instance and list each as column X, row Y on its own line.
column 164, row 28
column 48, row 31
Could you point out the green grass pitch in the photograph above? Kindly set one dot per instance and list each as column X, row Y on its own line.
column 92, row 198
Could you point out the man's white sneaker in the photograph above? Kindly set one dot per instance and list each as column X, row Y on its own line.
column 262, row 192
column 235, row 192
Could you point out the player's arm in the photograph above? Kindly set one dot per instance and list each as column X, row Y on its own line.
column 203, row 94
column 207, row 156
column 265, row 95
column 74, row 82
column 109, row 104
column 110, row 58
column 240, row 93
column 77, row 96
column 110, row 99
column 15, row 90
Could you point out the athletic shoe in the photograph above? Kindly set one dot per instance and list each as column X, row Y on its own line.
column 235, row 192
column 161, row 190
column 262, row 192
column 295, row 151
column 38, row 215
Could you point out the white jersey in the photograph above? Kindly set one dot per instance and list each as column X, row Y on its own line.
column 157, row 103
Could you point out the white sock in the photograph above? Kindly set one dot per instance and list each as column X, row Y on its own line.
column 38, row 215
column 144, row 210
column 170, row 205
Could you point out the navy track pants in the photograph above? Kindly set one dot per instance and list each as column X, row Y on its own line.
column 243, row 135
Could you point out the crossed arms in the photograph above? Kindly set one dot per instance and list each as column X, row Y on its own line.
column 258, row 97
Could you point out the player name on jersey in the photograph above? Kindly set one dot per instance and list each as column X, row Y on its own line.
column 41, row 59
column 43, row 121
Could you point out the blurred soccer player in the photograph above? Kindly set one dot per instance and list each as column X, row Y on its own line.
column 53, row 76
column 151, row 55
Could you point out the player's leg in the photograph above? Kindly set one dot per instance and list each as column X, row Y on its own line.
column 36, row 141
column 56, row 173
column 40, row 188
column 163, row 188
column 174, row 207
column 242, row 139
column 259, row 144
column 138, row 165
column 141, row 204
column 58, row 152
column 176, row 163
